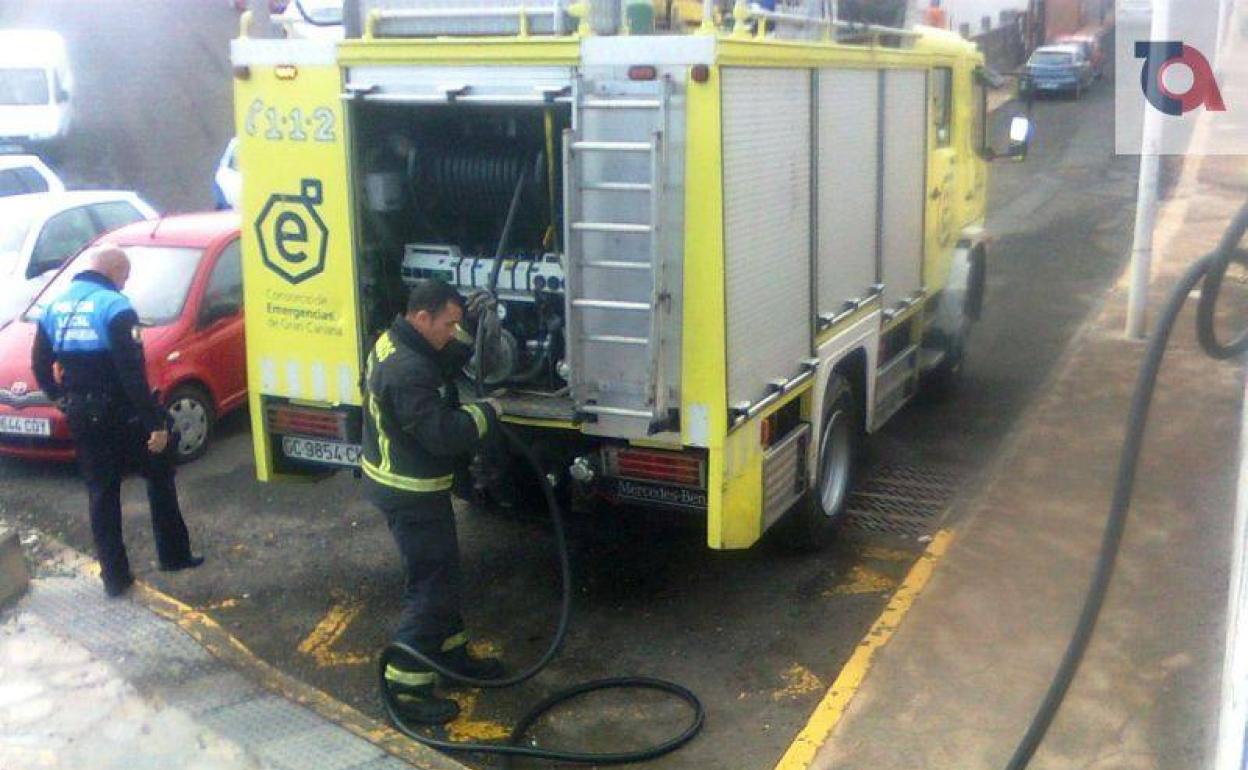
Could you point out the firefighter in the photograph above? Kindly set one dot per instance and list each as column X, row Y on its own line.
column 88, row 357
column 416, row 436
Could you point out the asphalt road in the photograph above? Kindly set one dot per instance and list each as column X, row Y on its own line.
column 307, row 577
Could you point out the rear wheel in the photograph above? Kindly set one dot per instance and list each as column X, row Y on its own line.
column 814, row 520
column 190, row 409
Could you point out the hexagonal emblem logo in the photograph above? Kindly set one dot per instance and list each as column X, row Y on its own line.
column 292, row 236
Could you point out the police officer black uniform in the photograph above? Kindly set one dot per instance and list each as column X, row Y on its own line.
column 417, row 436
column 91, row 334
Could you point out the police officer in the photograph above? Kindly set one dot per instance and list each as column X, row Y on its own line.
column 416, row 436
column 88, row 357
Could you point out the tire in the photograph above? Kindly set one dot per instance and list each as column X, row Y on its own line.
column 193, row 416
column 814, row 520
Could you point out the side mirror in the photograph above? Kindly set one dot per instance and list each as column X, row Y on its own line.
column 1019, row 139
column 1008, row 136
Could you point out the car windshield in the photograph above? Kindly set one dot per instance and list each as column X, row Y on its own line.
column 15, row 220
column 24, row 86
column 160, row 279
column 1051, row 59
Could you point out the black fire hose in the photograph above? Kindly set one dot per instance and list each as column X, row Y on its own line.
column 513, row 747
column 1207, row 273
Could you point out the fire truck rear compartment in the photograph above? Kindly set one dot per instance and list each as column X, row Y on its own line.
column 445, row 188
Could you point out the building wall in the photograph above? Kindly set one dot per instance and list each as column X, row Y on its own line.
column 1063, row 17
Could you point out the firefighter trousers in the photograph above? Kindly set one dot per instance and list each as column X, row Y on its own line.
column 423, row 526
column 109, row 447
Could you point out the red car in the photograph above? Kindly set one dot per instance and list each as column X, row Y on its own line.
column 186, row 284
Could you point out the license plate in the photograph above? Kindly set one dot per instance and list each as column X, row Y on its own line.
column 25, row 426
column 312, row 450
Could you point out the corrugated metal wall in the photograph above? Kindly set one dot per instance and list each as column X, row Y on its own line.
column 767, row 197
column 849, row 155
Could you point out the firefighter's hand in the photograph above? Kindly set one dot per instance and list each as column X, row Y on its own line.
column 496, row 405
column 478, row 302
column 157, row 442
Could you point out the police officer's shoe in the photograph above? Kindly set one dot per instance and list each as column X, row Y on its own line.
column 115, row 588
column 191, row 562
column 461, row 662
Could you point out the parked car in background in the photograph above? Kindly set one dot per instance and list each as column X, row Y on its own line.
column 22, row 174
column 186, row 286
column 275, row 6
column 36, row 88
column 1058, row 69
column 227, row 183
column 39, row 232
column 1090, row 45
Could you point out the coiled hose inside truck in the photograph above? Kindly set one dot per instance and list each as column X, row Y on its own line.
column 513, row 746
column 1207, row 273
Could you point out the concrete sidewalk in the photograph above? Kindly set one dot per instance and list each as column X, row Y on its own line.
column 960, row 680
column 91, row 682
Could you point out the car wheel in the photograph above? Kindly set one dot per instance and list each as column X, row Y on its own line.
column 813, row 522
column 191, row 412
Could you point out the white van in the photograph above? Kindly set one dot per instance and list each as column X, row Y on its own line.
column 36, row 88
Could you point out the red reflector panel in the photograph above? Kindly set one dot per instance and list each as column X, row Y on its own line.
column 299, row 421
column 643, row 72
column 656, row 465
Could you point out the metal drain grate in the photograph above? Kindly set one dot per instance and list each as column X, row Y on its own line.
column 904, row 501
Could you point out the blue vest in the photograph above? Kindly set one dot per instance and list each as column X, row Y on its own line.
column 78, row 320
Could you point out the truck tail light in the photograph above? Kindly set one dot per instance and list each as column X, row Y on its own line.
column 307, row 421
column 664, row 467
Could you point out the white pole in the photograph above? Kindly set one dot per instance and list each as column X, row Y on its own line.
column 1231, row 728
column 1146, row 197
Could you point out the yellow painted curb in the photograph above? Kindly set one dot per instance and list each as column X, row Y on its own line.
column 222, row 645
column 801, row 753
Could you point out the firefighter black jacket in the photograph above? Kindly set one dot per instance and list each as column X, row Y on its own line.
column 416, row 432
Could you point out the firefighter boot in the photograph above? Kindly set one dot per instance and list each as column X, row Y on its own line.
column 414, row 697
column 458, row 659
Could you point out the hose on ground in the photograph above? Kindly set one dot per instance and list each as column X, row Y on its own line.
column 513, row 746
column 1208, row 273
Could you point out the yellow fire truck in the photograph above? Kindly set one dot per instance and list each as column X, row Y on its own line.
column 729, row 248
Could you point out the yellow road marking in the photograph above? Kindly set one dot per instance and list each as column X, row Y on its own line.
column 222, row 645
column 862, row 581
column 224, row 604
column 798, row 681
column 830, row 710
column 465, row 728
column 885, row 554
column 319, row 644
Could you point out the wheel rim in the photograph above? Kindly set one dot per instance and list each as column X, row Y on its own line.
column 190, row 420
column 834, row 464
